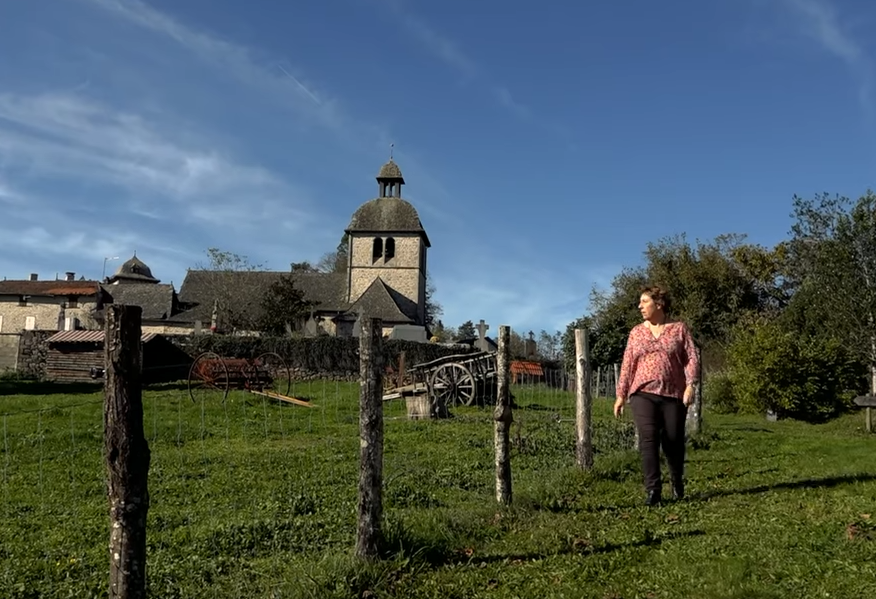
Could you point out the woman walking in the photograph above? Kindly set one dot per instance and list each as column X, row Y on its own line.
column 657, row 378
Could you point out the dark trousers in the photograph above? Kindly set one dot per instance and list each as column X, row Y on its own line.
column 659, row 421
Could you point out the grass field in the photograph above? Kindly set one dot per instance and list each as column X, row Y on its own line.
column 255, row 499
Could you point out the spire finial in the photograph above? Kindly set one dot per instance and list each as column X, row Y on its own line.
column 391, row 146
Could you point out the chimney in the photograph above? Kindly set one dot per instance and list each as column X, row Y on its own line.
column 71, row 276
column 34, row 276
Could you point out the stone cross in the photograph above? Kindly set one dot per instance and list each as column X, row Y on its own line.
column 482, row 334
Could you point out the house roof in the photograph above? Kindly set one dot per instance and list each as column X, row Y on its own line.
column 245, row 289
column 49, row 288
column 377, row 302
column 155, row 300
column 88, row 337
column 526, row 367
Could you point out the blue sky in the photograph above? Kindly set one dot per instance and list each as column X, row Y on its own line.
column 544, row 144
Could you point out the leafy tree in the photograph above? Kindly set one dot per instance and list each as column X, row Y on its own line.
column 337, row 260
column 434, row 310
column 550, row 345
column 303, row 267
column 283, row 307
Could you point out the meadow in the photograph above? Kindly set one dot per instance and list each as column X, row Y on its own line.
column 252, row 498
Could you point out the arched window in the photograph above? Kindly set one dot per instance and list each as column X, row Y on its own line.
column 389, row 250
column 377, row 249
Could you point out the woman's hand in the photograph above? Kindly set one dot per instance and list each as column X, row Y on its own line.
column 688, row 395
column 618, row 407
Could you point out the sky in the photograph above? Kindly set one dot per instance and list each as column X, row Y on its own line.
column 543, row 144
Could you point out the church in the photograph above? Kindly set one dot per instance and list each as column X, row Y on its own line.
column 385, row 276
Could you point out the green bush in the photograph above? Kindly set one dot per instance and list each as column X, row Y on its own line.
column 718, row 393
column 804, row 378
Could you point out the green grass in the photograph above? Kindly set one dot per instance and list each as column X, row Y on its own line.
column 255, row 499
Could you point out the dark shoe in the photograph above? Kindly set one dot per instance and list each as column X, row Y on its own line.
column 653, row 498
column 678, row 491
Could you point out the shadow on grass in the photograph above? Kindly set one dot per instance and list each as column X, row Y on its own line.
column 812, row 483
column 439, row 556
column 49, row 388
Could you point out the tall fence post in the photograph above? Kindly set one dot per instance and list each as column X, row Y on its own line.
column 368, row 536
column 695, row 412
column 503, row 417
column 126, row 452
column 583, row 402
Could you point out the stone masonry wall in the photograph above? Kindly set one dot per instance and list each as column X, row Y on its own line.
column 32, row 353
column 45, row 312
column 402, row 272
column 8, row 351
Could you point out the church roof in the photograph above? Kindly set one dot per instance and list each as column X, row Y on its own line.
column 390, row 170
column 378, row 302
column 155, row 300
column 387, row 215
column 134, row 270
column 245, row 290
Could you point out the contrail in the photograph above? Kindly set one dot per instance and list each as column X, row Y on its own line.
column 301, row 85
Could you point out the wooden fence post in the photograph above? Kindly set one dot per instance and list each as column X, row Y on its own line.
column 126, row 452
column 503, row 417
column 695, row 411
column 368, row 537
column 583, row 402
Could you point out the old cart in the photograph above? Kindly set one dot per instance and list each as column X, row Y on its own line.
column 267, row 375
column 460, row 379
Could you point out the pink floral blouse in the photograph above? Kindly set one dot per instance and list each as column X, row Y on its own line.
column 664, row 365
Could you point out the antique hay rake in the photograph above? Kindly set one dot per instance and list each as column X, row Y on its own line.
column 211, row 374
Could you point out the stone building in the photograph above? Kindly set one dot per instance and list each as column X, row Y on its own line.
column 385, row 275
column 62, row 304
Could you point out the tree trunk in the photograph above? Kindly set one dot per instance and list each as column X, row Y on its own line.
column 369, row 536
column 126, row 452
column 583, row 402
column 503, row 417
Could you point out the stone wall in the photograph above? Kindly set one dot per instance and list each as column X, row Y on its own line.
column 8, row 351
column 404, row 272
column 32, row 353
column 45, row 312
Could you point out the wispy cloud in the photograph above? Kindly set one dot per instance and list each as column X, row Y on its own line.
column 820, row 21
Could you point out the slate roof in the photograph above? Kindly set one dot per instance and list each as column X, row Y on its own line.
column 390, row 170
column 134, row 270
column 387, row 215
column 49, row 288
column 378, row 302
column 246, row 289
column 157, row 301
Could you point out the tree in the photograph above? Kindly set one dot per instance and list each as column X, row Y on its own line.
column 434, row 310
column 466, row 331
column 550, row 345
column 833, row 266
column 283, row 307
column 228, row 294
column 337, row 260
column 303, row 267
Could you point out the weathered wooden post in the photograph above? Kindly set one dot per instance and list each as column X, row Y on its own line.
column 126, row 452
column 368, row 537
column 503, row 417
column 695, row 410
column 583, row 402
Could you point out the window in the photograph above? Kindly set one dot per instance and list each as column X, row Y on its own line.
column 389, row 250
column 377, row 249
column 30, row 323
column 22, row 300
column 72, row 301
column 1, row 323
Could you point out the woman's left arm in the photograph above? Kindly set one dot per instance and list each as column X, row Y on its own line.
column 691, row 366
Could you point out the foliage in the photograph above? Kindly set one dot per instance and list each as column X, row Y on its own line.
column 466, row 331
column 718, row 393
column 253, row 498
column 337, row 260
column 222, row 286
column 434, row 310
column 283, row 307
column 806, row 378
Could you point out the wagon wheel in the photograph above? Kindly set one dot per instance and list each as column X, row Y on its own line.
column 208, row 376
column 453, row 384
column 274, row 371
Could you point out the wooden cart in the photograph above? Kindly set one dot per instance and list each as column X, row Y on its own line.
column 459, row 379
column 210, row 374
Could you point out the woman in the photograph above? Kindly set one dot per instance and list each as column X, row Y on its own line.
column 658, row 376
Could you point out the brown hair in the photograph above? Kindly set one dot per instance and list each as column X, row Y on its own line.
column 659, row 295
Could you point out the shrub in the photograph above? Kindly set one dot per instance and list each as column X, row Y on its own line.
column 718, row 393
column 805, row 378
